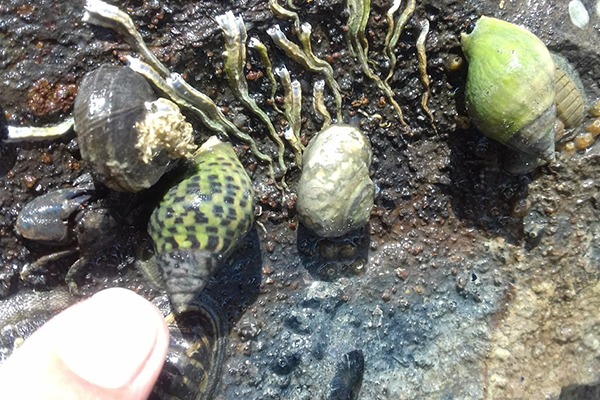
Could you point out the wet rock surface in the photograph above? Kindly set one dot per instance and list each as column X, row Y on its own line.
column 455, row 299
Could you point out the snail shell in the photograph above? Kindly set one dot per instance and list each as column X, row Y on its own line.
column 569, row 94
column 111, row 104
column 509, row 92
column 200, row 220
column 197, row 347
column 335, row 192
column 23, row 313
column 518, row 163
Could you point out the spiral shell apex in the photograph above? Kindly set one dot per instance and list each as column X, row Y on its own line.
column 509, row 91
column 200, row 220
column 570, row 97
column 335, row 192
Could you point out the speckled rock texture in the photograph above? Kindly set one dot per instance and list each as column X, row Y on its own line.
column 455, row 298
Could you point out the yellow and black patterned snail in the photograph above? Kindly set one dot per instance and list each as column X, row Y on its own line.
column 509, row 92
column 200, row 220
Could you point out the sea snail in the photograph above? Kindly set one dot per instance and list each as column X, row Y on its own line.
column 197, row 348
column 127, row 135
column 200, row 220
column 509, row 92
column 335, row 192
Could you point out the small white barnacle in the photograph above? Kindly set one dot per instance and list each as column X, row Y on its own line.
column 335, row 192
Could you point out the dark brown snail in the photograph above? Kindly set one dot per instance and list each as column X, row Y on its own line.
column 124, row 131
column 197, row 346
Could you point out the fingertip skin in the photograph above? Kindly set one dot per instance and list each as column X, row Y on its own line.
column 111, row 346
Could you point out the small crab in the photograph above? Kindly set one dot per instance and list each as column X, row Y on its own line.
column 64, row 216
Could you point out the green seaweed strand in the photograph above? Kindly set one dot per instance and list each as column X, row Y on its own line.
column 292, row 104
column 359, row 15
column 319, row 104
column 303, row 32
column 397, row 31
column 235, row 59
column 255, row 43
column 293, row 51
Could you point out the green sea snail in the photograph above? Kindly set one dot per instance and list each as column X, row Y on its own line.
column 200, row 220
column 335, row 192
column 509, row 92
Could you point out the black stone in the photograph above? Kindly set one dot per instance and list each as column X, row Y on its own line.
column 348, row 377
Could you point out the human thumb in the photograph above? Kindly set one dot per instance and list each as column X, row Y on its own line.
column 111, row 346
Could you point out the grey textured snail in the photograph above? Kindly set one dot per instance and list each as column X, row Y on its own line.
column 335, row 192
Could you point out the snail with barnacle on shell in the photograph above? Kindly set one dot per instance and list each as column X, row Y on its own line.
column 514, row 88
column 128, row 135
